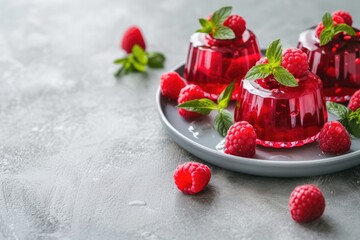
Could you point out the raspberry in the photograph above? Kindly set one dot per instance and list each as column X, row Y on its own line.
column 131, row 37
column 295, row 61
column 306, row 203
column 354, row 102
column 262, row 60
column 237, row 24
column 334, row 138
column 240, row 140
column 319, row 29
column 190, row 92
column 192, row 177
column 171, row 84
column 345, row 15
column 336, row 20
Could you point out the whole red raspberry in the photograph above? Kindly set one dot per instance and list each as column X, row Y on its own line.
column 262, row 60
column 237, row 24
column 354, row 102
column 295, row 61
column 131, row 37
column 319, row 29
column 345, row 15
column 306, row 203
column 240, row 140
column 334, row 138
column 190, row 92
column 336, row 20
column 192, row 177
column 171, row 84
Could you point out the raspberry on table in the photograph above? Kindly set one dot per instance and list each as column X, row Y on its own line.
column 306, row 203
column 131, row 37
column 192, row 177
column 354, row 102
column 295, row 61
column 190, row 92
column 345, row 15
column 240, row 140
column 237, row 24
column 334, row 138
column 171, row 84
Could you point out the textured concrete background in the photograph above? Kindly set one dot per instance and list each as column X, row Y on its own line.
column 84, row 156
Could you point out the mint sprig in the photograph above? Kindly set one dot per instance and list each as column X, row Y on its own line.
column 224, row 119
column 215, row 27
column 348, row 118
column 330, row 29
column 138, row 61
column 281, row 74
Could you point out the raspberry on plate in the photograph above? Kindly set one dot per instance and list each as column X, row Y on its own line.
column 345, row 15
column 131, row 37
column 306, row 203
column 334, row 138
column 240, row 140
column 354, row 102
column 171, row 84
column 190, row 92
column 295, row 61
column 237, row 24
column 192, row 177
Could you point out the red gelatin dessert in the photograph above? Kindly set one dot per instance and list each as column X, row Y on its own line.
column 214, row 61
column 283, row 116
column 336, row 62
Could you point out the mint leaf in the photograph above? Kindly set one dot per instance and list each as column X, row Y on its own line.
column 326, row 35
column 207, row 26
column 284, row 77
column 344, row 28
column 119, row 73
column 338, row 109
column 258, row 71
column 139, row 54
column 156, row 60
column 140, row 67
column 225, row 96
column 274, row 53
column 354, row 123
column 327, row 20
column 223, row 33
column 220, row 16
column 120, row 60
column 223, row 121
column 203, row 106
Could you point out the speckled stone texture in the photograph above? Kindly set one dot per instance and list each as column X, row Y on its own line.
column 84, row 156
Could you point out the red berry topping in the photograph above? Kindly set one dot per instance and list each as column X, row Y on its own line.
column 192, row 177
column 354, row 102
column 237, row 24
column 190, row 92
column 345, row 15
column 171, row 84
column 334, row 138
column 295, row 61
column 336, row 20
column 319, row 29
column 306, row 203
column 262, row 60
column 131, row 37
column 240, row 140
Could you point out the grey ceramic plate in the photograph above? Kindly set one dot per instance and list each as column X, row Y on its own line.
column 199, row 138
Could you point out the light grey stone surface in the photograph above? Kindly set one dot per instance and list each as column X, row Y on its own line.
column 84, row 156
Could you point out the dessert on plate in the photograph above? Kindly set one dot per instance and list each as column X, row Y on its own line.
column 333, row 50
column 282, row 100
column 222, row 51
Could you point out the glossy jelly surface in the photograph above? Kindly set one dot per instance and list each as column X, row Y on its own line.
column 283, row 117
column 336, row 63
column 213, row 64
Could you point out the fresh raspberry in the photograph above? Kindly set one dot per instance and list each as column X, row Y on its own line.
column 336, row 20
column 240, row 140
column 295, row 61
column 131, row 37
column 345, row 15
column 334, row 138
column 306, row 203
column 237, row 24
column 171, row 84
column 319, row 29
column 192, row 177
column 190, row 92
column 262, row 60
column 354, row 102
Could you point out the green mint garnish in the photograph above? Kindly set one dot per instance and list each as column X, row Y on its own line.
column 281, row 74
column 138, row 61
column 224, row 119
column 349, row 119
column 330, row 30
column 215, row 26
